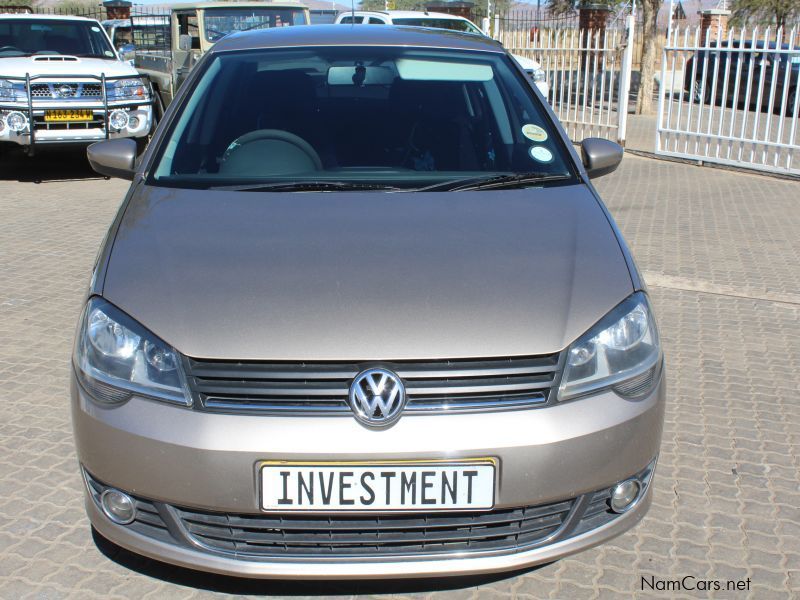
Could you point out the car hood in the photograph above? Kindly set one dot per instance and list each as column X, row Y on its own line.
column 366, row 276
column 39, row 65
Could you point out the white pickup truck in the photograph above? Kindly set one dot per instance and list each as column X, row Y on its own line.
column 62, row 82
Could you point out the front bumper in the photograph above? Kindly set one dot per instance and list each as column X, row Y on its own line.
column 75, row 132
column 180, row 457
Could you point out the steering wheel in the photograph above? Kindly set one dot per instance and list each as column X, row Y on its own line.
column 269, row 152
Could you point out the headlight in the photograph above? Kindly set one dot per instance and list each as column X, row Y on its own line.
column 127, row 89
column 537, row 75
column 13, row 92
column 621, row 352
column 118, row 119
column 16, row 121
column 115, row 358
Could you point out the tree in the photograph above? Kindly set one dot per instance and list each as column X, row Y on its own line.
column 16, row 3
column 561, row 7
column 780, row 13
column 78, row 7
column 644, row 99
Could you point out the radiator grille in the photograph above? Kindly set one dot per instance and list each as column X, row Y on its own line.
column 322, row 388
column 265, row 535
column 66, row 91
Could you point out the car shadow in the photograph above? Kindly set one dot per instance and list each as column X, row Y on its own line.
column 47, row 165
column 270, row 587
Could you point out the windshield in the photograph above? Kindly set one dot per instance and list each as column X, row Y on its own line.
column 219, row 22
column 455, row 24
column 20, row 37
column 399, row 117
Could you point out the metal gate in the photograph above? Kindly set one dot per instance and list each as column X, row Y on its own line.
column 731, row 98
column 588, row 71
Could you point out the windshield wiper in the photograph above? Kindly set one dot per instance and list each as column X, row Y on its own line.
column 303, row 186
column 492, row 182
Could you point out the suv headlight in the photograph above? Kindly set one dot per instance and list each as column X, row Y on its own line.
column 127, row 89
column 622, row 352
column 116, row 357
column 13, row 92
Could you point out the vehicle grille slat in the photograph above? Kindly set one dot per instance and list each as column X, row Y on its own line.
column 479, row 386
column 291, row 534
column 300, row 523
column 261, row 388
column 379, row 536
column 284, row 388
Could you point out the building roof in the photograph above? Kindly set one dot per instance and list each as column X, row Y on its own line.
column 228, row 4
column 36, row 16
column 336, row 35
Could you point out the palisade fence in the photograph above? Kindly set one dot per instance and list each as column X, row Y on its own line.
column 731, row 97
column 588, row 70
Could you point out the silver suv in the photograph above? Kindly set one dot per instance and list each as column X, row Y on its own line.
column 362, row 314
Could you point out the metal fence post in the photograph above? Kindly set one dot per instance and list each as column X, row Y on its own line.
column 625, row 82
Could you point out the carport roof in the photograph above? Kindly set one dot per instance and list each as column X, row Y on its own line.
column 356, row 35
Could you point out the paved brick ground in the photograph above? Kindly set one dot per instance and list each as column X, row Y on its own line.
column 721, row 252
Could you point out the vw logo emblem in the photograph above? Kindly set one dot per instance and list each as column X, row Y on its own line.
column 65, row 91
column 377, row 397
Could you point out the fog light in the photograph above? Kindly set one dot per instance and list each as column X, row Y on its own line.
column 16, row 121
column 118, row 119
column 118, row 506
column 624, row 495
column 133, row 122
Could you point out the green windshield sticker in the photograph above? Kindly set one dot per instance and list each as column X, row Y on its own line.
column 534, row 132
column 541, row 154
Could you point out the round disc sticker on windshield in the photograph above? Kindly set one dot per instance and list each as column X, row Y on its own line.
column 534, row 132
column 541, row 154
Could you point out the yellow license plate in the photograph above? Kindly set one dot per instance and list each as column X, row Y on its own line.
column 68, row 115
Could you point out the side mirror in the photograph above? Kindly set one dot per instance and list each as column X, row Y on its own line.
column 185, row 42
column 600, row 157
column 113, row 158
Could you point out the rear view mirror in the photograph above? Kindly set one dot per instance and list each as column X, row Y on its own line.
column 113, row 158
column 360, row 75
column 185, row 42
column 600, row 157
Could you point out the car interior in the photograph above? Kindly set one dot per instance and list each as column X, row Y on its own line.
column 280, row 121
column 52, row 37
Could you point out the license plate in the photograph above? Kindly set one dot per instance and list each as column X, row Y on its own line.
column 377, row 486
column 68, row 115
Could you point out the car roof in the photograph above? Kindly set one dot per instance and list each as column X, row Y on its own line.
column 336, row 35
column 17, row 16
